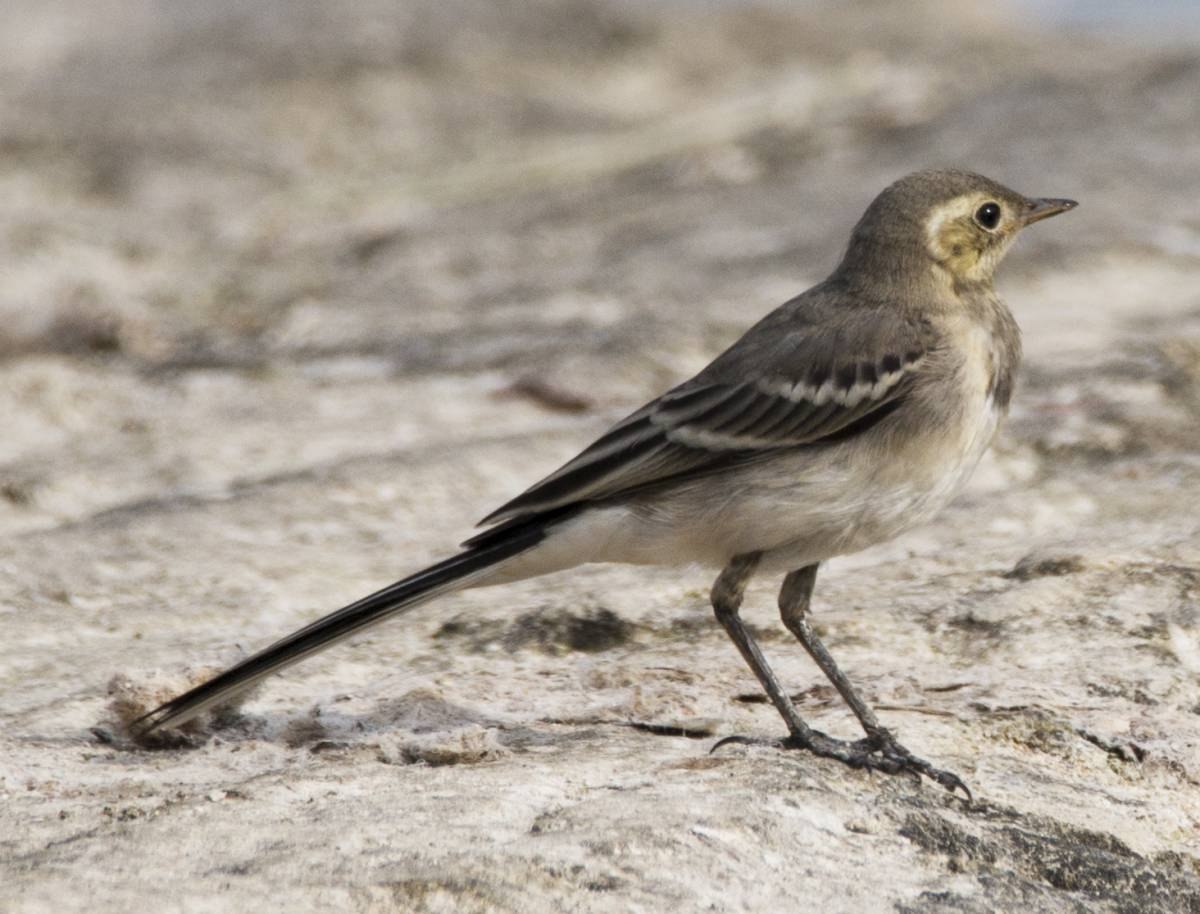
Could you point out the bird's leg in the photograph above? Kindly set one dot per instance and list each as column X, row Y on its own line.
column 726, row 601
column 794, row 598
column 727, row 595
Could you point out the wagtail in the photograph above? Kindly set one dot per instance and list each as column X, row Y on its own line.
column 841, row 419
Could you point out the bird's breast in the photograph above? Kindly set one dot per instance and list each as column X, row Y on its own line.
column 934, row 445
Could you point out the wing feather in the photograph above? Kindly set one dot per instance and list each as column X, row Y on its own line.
column 802, row 388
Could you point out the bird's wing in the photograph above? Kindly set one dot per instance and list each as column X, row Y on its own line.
column 779, row 387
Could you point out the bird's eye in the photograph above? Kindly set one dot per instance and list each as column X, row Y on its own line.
column 988, row 215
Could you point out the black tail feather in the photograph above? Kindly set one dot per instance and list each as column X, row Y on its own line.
column 451, row 574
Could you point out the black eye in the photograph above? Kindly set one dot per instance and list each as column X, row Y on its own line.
column 988, row 215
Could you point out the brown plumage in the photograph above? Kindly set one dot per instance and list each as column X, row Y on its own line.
column 847, row 415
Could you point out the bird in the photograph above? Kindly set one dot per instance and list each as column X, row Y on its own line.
column 849, row 414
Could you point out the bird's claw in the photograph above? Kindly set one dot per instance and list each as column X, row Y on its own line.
column 878, row 752
column 887, row 746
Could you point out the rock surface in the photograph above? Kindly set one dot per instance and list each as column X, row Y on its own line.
column 294, row 293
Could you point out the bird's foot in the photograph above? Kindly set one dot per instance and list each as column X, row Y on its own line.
column 878, row 752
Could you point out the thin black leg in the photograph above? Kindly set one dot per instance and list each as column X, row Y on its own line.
column 727, row 595
column 794, row 599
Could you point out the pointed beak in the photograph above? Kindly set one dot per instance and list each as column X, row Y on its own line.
column 1043, row 208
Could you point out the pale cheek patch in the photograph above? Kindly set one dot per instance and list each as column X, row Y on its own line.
column 953, row 243
column 991, row 257
column 941, row 228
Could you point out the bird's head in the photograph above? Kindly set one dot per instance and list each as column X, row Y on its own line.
column 952, row 225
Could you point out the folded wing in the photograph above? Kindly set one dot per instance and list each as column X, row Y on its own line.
column 767, row 394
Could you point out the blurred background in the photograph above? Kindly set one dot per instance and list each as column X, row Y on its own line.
column 230, row 232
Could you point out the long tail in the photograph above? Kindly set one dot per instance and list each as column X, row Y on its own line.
column 484, row 552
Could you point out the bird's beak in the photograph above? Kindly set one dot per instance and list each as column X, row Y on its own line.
column 1045, row 207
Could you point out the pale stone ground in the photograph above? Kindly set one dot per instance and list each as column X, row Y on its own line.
column 291, row 297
